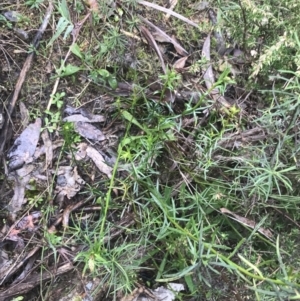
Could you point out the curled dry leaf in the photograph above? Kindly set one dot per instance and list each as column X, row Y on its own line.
column 85, row 150
column 28, row 222
column 24, row 114
column 24, row 146
column 93, row 4
column 79, row 117
column 21, row 178
column 99, row 161
column 247, row 222
column 208, row 75
column 161, row 36
column 81, row 114
column 13, row 16
column 22, row 34
column 68, row 182
column 43, row 149
column 153, row 44
column 89, row 131
column 179, row 64
column 48, row 149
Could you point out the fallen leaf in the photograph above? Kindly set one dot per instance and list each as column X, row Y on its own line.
column 208, row 75
column 89, row 131
column 21, row 178
column 81, row 114
column 80, row 118
column 161, row 36
column 22, row 34
column 179, row 64
column 24, row 146
column 28, row 222
column 99, row 161
column 86, row 150
column 153, row 44
column 24, row 114
column 48, row 149
column 93, row 4
column 13, row 16
column 247, row 222
column 68, row 182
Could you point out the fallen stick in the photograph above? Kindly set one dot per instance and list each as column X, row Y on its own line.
column 168, row 11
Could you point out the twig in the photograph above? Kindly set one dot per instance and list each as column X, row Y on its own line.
column 168, row 11
column 34, row 280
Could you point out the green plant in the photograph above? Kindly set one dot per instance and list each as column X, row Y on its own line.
column 34, row 3
column 53, row 119
column 5, row 21
column 64, row 24
column 107, row 77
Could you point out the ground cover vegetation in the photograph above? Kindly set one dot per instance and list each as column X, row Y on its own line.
column 199, row 105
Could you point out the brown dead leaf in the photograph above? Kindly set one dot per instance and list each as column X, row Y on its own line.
column 162, row 37
column 21, row 178
column 24, row 146
column 153, row 44
column 179, row 64
column 68, row 182
column 99, row 161
column 93, row 4
column 28, row 222
column 42, row 149
column 208, row 75
column 80, row 118
column 247, row 222
column 24, row 115
column 86, row 150
column 48, row 149
column 89, row 131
